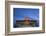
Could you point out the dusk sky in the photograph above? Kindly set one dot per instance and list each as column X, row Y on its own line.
column 20, row 13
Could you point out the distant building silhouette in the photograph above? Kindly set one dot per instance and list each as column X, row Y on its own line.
column 26, row 20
